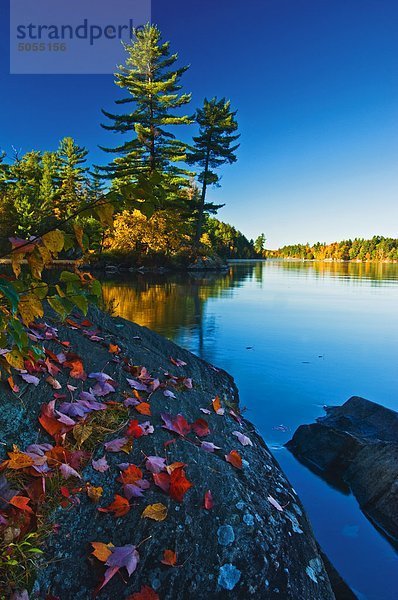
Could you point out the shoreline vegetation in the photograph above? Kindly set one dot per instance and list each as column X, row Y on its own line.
column 377, row 249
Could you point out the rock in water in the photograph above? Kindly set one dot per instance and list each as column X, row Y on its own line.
column 241, row 546
column 356, row 446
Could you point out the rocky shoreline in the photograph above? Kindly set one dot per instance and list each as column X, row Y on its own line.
column 355, row 447
column 249, row 538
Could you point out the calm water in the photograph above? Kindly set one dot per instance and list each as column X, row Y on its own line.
column 295, row 336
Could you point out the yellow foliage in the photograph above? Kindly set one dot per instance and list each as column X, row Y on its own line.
column 29, row 308
column 134, row 232
column 54, row 241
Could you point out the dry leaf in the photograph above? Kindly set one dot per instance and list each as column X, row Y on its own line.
column 157, row 512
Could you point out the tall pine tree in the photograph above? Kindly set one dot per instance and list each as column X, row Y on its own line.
column 71, row 178
column 24, row 189
column 149, row 157
column 213, row 147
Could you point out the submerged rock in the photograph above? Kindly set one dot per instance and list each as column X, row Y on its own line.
column 241, row 547
column 355, row 447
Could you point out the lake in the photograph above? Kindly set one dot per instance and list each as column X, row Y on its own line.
column 295, row 336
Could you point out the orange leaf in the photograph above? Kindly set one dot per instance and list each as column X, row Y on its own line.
column 21, row 502
column 13, row 386
column 143, row 408
column 234, row 458
column 145, row 593
column 174, row 466
column 19, row 460
column 114, row 349
column 217, row 406
column 101, row 551
column 179, row 484
column 120, row 506
column 74, row 362
column 169, row 558
column 131, row 474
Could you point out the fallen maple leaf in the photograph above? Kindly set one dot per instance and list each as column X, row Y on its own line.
column 155, row 464
column 143, row 408
column 145, row 593
column 169, row 558
column 208, row 500
column 13, row 386
column 217, row 406
column 67, row 471
column 209, row 446
column 134, row 429
column 101, row 551
column 94, row 493
column 179, row 484
column 157, row 512
column 234, row 458
column 178, row 424
column 19, row 460
column 131, row 474
column 113, row 349
column 120, row 506
column 100, row 465
column 162, row 480
column 75, row 364
column 122, row 556
column 21, row 502
column 53, row 382
column 201, row 427
column 117, row 445
column 244, row 440
column 30, row 378
column 173, row 466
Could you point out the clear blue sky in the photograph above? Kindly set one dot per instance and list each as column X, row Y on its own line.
column 315, row 83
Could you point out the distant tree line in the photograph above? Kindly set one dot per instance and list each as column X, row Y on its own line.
column 378, row 248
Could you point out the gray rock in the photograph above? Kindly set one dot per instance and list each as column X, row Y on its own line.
column 355, row 447
column 251, row 561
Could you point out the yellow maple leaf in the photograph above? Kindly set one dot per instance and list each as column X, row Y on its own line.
column 94, row 493
column 29, row 308
column 54, row 241
column 19, row 460
column 15, row 359
column 157, row 512
column 101, row 551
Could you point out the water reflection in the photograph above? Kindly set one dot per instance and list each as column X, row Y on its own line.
column 295, row 336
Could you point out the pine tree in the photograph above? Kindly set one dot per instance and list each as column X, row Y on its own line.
column 150, row 155
column 4, row 172
column 71, row 178
column 213, row 147
column 24, row 189
column 259, row 244
column 47, row 183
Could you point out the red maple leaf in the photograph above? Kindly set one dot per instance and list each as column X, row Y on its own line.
column 134, row 429
column 201, row 427
column 131, row 474
column 120, row 506
column 179, row 484
column 145, row 593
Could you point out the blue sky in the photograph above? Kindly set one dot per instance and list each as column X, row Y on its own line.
column 315, row 83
